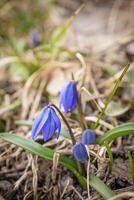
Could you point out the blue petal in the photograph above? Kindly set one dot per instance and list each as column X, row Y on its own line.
column 49, row 128
column 88, row 137
column 69, row 97
column 57, row 122
column 80, row 152
column 63, row 98
column 39, row 122
column 75, row 98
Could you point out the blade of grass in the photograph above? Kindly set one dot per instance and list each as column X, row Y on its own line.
column 58, row 38
column 110, row 155
column 121, row 130
column 68, row 162
column 111, row 96
column 131, row 165
column 59, row 35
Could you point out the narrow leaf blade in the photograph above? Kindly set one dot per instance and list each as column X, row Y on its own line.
column 121, row 130
column 131, row 164
column 98, row 185
column 110, row 155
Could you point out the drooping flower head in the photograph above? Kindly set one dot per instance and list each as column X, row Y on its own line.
column 80, row 152
column 47, row 122
column 88, row 137
column 69, row 96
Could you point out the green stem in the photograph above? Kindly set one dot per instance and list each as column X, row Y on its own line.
column 131, row 165
column 66, row 122
column 79, row 165
column 111, row 96
column 110, row 155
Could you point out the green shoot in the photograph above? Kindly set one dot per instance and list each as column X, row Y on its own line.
column 111, row 95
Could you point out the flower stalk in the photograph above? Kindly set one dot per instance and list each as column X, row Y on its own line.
column 79, row 165
column 66, row 122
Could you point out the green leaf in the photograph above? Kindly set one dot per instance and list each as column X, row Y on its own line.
column 131, row 164
column 111, row 95
column 98, row 185
column 68, row 162
column 116, row 108
column 59, row 35
column 122, row 130
column 58, row 38
column 110, row 156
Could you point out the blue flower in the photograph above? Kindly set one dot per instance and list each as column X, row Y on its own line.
column 80, row 152
column 47, row 122
column 35, row 38
column 69, row 96
column 88, row 137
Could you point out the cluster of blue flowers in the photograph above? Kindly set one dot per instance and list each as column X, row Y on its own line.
column 48, row 121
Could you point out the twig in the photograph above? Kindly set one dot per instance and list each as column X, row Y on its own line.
column 122, row 195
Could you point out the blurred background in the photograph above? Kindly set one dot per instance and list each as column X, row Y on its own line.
column 99, row 28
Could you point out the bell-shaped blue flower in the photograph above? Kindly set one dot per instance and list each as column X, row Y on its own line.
column 69, row 96
column 80, row 152
column 88, row 137
column 47, row 122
